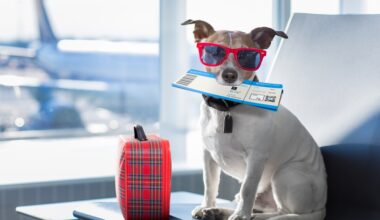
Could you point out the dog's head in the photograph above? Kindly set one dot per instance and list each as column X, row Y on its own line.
column 232, row 67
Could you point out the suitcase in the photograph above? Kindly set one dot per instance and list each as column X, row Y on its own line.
column 143, row 181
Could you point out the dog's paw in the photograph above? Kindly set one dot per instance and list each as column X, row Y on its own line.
column 198, row 212
column 216, row 214
column 201, row 212
column 204, row 213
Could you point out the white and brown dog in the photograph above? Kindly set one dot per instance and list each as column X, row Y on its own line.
column 277, row 161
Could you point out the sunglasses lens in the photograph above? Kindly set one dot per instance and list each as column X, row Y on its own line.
column 213, row 55
column 248, row 59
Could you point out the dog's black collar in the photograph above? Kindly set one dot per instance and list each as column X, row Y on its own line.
column 221, row 104
column 224, row 106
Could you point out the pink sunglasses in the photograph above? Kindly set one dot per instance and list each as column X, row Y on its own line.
column 212, row 54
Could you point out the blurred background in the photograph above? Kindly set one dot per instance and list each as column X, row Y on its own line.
column 75, row 74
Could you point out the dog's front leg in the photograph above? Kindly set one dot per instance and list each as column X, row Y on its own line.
column 211, row 177
column 255, row 167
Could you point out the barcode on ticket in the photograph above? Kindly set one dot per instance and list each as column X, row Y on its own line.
column 186, row 80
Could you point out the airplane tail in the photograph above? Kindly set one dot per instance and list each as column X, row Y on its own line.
column 45, row 30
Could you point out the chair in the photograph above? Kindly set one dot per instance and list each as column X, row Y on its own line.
column 330, row 70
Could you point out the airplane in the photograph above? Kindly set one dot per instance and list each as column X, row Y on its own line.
column 125, row 73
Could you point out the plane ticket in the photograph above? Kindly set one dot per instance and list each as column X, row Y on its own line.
column 259, row 94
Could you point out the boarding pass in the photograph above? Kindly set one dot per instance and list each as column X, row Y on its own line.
column 259, row 94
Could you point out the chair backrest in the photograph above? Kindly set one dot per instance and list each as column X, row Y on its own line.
column 330, row 69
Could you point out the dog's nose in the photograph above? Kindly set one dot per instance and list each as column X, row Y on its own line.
column 229, row 75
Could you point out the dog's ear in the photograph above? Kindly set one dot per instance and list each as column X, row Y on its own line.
column 263, row 36
column 202, row 29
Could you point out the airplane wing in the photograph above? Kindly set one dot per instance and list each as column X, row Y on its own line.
column 9, row 51
column 10, row 80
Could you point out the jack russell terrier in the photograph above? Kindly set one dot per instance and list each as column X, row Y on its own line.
column 277, row 161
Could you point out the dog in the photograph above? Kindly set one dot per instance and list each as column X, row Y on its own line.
column 272, row 155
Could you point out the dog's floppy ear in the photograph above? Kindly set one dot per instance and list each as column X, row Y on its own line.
column 263, row 36
column 202, row 29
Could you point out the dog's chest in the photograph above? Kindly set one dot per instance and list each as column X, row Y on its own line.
column 225, row 149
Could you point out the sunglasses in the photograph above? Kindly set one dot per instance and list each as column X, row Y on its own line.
column 212, row 54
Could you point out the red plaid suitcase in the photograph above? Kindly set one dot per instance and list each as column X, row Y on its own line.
column 143, row 182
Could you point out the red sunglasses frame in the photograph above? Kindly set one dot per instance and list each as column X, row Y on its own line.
column 228, row 50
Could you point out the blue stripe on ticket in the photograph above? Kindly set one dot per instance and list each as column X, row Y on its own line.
column 268, row 107
column 248, row 82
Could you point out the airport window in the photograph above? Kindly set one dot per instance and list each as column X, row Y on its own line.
column 18, row 23
column 93, row 66
column 316, row 7
column 86, row 67
column 371, row 7
column 105, row 19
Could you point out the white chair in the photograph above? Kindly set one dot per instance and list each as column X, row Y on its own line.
column 330, row 69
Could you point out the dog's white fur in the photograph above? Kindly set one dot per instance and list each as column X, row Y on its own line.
column 266, row 149
column 277, row 161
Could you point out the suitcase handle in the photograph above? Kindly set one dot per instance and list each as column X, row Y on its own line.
column 139, row 133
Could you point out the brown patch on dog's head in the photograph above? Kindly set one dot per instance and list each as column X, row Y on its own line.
column 260, row 38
